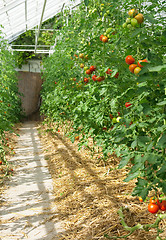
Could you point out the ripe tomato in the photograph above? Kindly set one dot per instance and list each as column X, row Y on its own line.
column 140, row 18
column 74, row 79
column 153, row 200
column 132, row 67
column 81, row 65
column 163, row 205
column 94, row 77
column 132, row 12
column 111, row 116
column 104, row 39
column 129, row 59
column 137, row 70
column 140, row 199
column 92, row 68
column 76, row 137
column 116, row 75
column 99, row 79
column 88, row 72
column 0, row 162
column 153, row 208
column 139, row 61
column 127, row 104
column 109, row 71
column 55, row 82
column 101, row 36
column 86, row 80
column 81, row 55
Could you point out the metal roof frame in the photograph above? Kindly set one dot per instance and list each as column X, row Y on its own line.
column 18, row 16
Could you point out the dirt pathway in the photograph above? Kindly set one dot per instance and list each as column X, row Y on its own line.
column 28, row 210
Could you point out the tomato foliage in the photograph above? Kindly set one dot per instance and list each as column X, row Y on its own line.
column 10, row 103
column 138, row 135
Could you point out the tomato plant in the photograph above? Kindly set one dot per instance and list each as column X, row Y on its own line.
column 139, row 133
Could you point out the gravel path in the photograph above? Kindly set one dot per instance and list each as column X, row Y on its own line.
column 28, row 210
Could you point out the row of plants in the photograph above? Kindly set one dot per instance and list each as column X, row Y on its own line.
column 106, row 81
column 10, row 103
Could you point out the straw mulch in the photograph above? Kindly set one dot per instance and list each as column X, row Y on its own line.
column 89, row 192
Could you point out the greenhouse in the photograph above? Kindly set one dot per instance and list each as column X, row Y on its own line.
column 82, row 119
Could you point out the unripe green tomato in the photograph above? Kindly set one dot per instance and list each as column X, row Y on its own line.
column 104, row 33
column 108, row 35
column 101, row 14
column 102, row 8
column 105, row 15
column 108, row 11
column 85, row 68
column 124, row 25
column 114, row 120
column 128, row 20
column 129, row 26
column 118, row 119
column 90, row 11
column 108, row 30
column 134, row 22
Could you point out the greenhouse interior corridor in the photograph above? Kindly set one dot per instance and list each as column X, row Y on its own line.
column 82, row 119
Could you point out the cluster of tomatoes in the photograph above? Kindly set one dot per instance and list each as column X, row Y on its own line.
column 133, row 67
column 103, row 38
column 155, row 205
column 134, row 19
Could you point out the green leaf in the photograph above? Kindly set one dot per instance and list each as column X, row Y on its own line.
column 134, row 144
column 164, row 187
column 124, row 161
column 162, row 141
column 150, row 18
column 157, row 68
column 86, row 2
column 162, row 103
column 131, row 176
column 161, row 172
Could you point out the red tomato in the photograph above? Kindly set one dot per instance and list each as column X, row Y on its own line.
column 104, row 39
column 109, row 71
column 140, row 199
column 139, row 61
column 132, row 67
column 99, row 79
column 127, row 104
column 153, row 208
column 92, row 68
column 86, row 80
column 116, row 75
column 129, row 59
column 163, row 205
column 101, row 36
column 0, row 162
column 55, row 82
column 94, row 77
column 88, row 72
column 111, row 116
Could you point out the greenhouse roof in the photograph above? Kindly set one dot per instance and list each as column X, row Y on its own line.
column 18, row 16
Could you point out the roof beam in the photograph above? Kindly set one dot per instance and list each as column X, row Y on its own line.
column 41, row 20
column 11, row 5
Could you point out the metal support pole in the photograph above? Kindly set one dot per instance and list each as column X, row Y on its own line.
column 38, row 31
